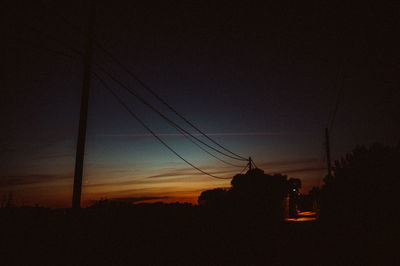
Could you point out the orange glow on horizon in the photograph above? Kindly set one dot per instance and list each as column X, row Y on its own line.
column 160, row 184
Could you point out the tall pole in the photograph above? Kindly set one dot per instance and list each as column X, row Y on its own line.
column 250, row 164
column 328, row 151
column 80, row 150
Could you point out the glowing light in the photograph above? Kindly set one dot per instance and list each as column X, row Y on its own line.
column 303, row 217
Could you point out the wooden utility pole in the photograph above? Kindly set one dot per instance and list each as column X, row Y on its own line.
column 250, row 164
column 328, row 151
column 80, row 150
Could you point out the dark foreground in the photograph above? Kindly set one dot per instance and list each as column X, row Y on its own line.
column 176, row 234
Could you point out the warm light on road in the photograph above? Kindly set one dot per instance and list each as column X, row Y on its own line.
column 303, row 217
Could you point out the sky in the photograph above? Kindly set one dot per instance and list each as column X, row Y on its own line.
column 261, row 79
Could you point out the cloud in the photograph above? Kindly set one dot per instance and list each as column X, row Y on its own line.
column 173, row 174
column 17, row 180
column 191, row 172
column 118, row 183
column 138, row 199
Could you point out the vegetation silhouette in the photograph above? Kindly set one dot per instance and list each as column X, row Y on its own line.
column 359, row 208
column 240, row 225
column 364, row 187
column 254, row 194
column 310, row 201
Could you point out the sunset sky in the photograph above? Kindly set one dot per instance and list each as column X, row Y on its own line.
column 259, row 79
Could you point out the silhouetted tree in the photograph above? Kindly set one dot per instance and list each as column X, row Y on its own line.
column 216, row 198
column 364, row 186
column 260, row 192
column 294, row 184
column 253, row 193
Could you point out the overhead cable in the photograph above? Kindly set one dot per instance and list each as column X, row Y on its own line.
column 79, row 53
column 144, row 85
column 151, row 132
column 161, row 114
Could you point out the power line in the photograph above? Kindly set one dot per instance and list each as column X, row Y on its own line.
column 81, row 139
column 241, row 172
column 338, row 85
column 79, row 53
column 216, row 157
column 254, row 163
column 148, row 129
column 183, row 132
column 161, row 114
column 144, row 85
column 187, row 136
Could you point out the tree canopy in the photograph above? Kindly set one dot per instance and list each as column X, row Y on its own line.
column 364, row 185
column 252, row 192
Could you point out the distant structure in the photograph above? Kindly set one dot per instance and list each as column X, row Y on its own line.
column 80, row 150
column 328, row 151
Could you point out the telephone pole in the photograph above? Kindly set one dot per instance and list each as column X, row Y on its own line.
column 80, row 150
column 328, row 151
column 250, row 164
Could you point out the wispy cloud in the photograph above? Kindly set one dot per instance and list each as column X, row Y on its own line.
column 117, row 183
column 16, row 180
column 191, row 172
column 137, row 199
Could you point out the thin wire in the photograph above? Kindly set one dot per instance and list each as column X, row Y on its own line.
column 323, row 166
column 195, row 143
column 254, row 163
column 79, row 53
column 216, row 157
column 148, row 129
column 241, row 172
column 161, row 114
column 144, row 85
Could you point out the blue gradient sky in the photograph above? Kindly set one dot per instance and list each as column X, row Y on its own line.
column 269, row 70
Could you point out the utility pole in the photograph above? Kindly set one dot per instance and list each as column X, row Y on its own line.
column 250, row 164
column 80, row 150
column 328, row 151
